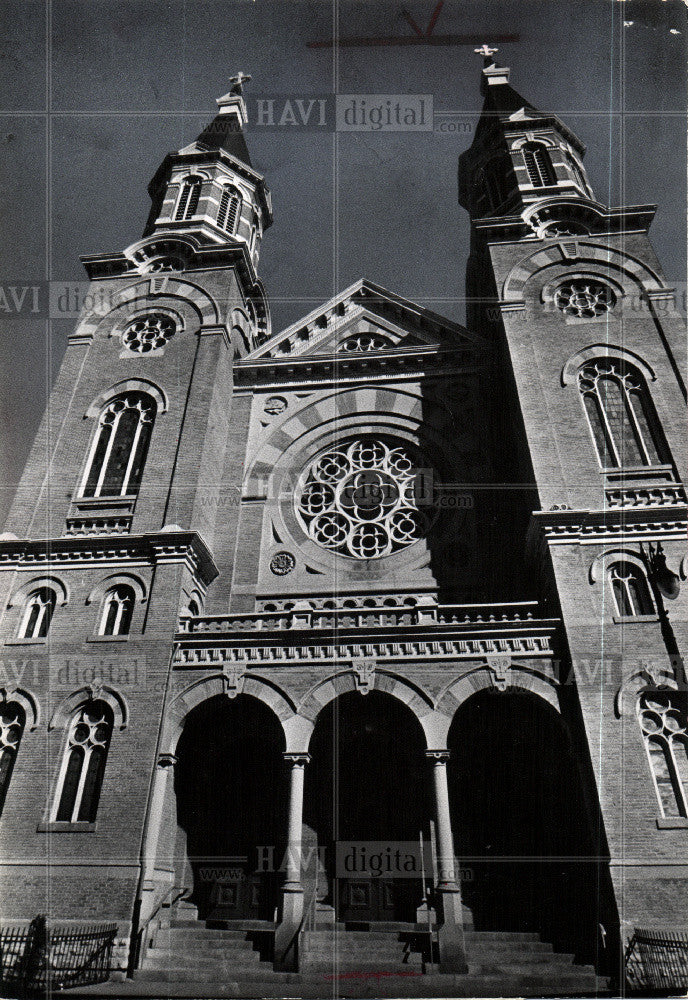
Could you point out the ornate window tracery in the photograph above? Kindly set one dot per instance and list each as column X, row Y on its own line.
column 620, row 413
column 83, row 766
column 118, row 608
column 663, row 725
column 631, row 591
column 38, row 613
column 12, row 722
column 149, row 332
column 366, row 498
column 363, row 342
column 119, row 450
column 584, row 298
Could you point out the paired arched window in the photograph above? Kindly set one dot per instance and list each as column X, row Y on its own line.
column 663, row 725
column 12, row 722
column 83, row 765
column 631, row 590
column 188, row 198
column 38, row 613
column 620, row 412
column 539, row 164
column 119, row 450
column 118, row 608
column 230, row 209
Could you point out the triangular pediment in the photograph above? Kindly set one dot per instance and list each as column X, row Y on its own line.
column 364, row 319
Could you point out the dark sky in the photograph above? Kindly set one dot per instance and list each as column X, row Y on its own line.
column 95, row 93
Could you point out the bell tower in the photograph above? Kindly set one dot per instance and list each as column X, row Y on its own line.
column 573, row 297
column 119, row 525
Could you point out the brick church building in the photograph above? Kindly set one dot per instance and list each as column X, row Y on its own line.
column 276, row 606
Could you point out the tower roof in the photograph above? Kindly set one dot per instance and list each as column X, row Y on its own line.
column 225, row 132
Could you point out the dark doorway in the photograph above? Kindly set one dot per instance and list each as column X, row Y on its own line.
column 368, row 786
column 232, row 786
column 520, row 822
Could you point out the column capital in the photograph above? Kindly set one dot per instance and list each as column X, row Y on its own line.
column 439, row 756
column 297, row 759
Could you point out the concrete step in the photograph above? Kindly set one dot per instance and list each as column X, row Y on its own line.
column 204, row 970
column 272, row 985
column 262, row 975
column 502, row 936
column 174, row 942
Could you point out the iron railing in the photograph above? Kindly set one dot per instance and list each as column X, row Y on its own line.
column 37, row 957
column 657, row 960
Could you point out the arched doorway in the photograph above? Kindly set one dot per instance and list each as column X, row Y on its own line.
column 231, row 787
column 521, row 827
column 368, row 796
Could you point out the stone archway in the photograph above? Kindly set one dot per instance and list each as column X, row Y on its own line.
column 368, row 796
column 520, row 822
column 231, row 791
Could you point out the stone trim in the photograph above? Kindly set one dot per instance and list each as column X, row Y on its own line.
column 174, row 546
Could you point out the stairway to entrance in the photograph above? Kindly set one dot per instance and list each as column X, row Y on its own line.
column 385, row 960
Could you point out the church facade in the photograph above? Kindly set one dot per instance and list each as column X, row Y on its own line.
column 277, row 607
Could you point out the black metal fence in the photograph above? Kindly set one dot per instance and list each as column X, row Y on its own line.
column 657, row 960
column 39, row 957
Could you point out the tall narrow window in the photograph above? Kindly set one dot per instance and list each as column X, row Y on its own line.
column 83, row 766
column 38, row 614
column 119, row 450
column 188, row 198
column 622, row 419
column 663, row 724
column 538, row 165
column 230, row 207
column 12, row 721
column 118, row 607
column 631, row 591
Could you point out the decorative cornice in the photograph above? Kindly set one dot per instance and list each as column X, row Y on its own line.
column 352, row 367
column 561, row 527
column 155, row 548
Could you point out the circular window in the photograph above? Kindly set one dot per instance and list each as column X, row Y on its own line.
column 584, row 298
column 367, row 498
column 148, row 332
column 361, row 342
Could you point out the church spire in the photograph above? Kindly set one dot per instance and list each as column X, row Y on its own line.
column 519, row 155
column 210, row 189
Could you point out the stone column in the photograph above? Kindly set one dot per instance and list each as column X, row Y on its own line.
column 286, row 932
column 451, row 935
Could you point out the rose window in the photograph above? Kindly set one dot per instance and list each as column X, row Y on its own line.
column 366, row 498
column 362, row 342
column 584, row 298
column 148, row 332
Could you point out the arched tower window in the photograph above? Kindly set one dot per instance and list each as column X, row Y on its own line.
column 663, row 725
column 188, row 198
column 38, row 613
column 119, row 450
column 631, row 591
column 229, row 210
column 621, row 416
column 118, row 608
column 539, row 164
column 12, row 722
column 83, row 766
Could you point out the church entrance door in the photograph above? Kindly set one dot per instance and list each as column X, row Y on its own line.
column 231, row 788
column 368, row 796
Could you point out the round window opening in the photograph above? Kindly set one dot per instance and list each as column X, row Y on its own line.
column 367, row 497
column 584, row 298
column 147, row 333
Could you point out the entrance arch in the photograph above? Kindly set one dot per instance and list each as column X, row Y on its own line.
column 231, row 790
column 520, row 822
column 368, row 795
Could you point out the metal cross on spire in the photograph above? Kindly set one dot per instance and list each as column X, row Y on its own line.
column 485, row 50
column 238, row 82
